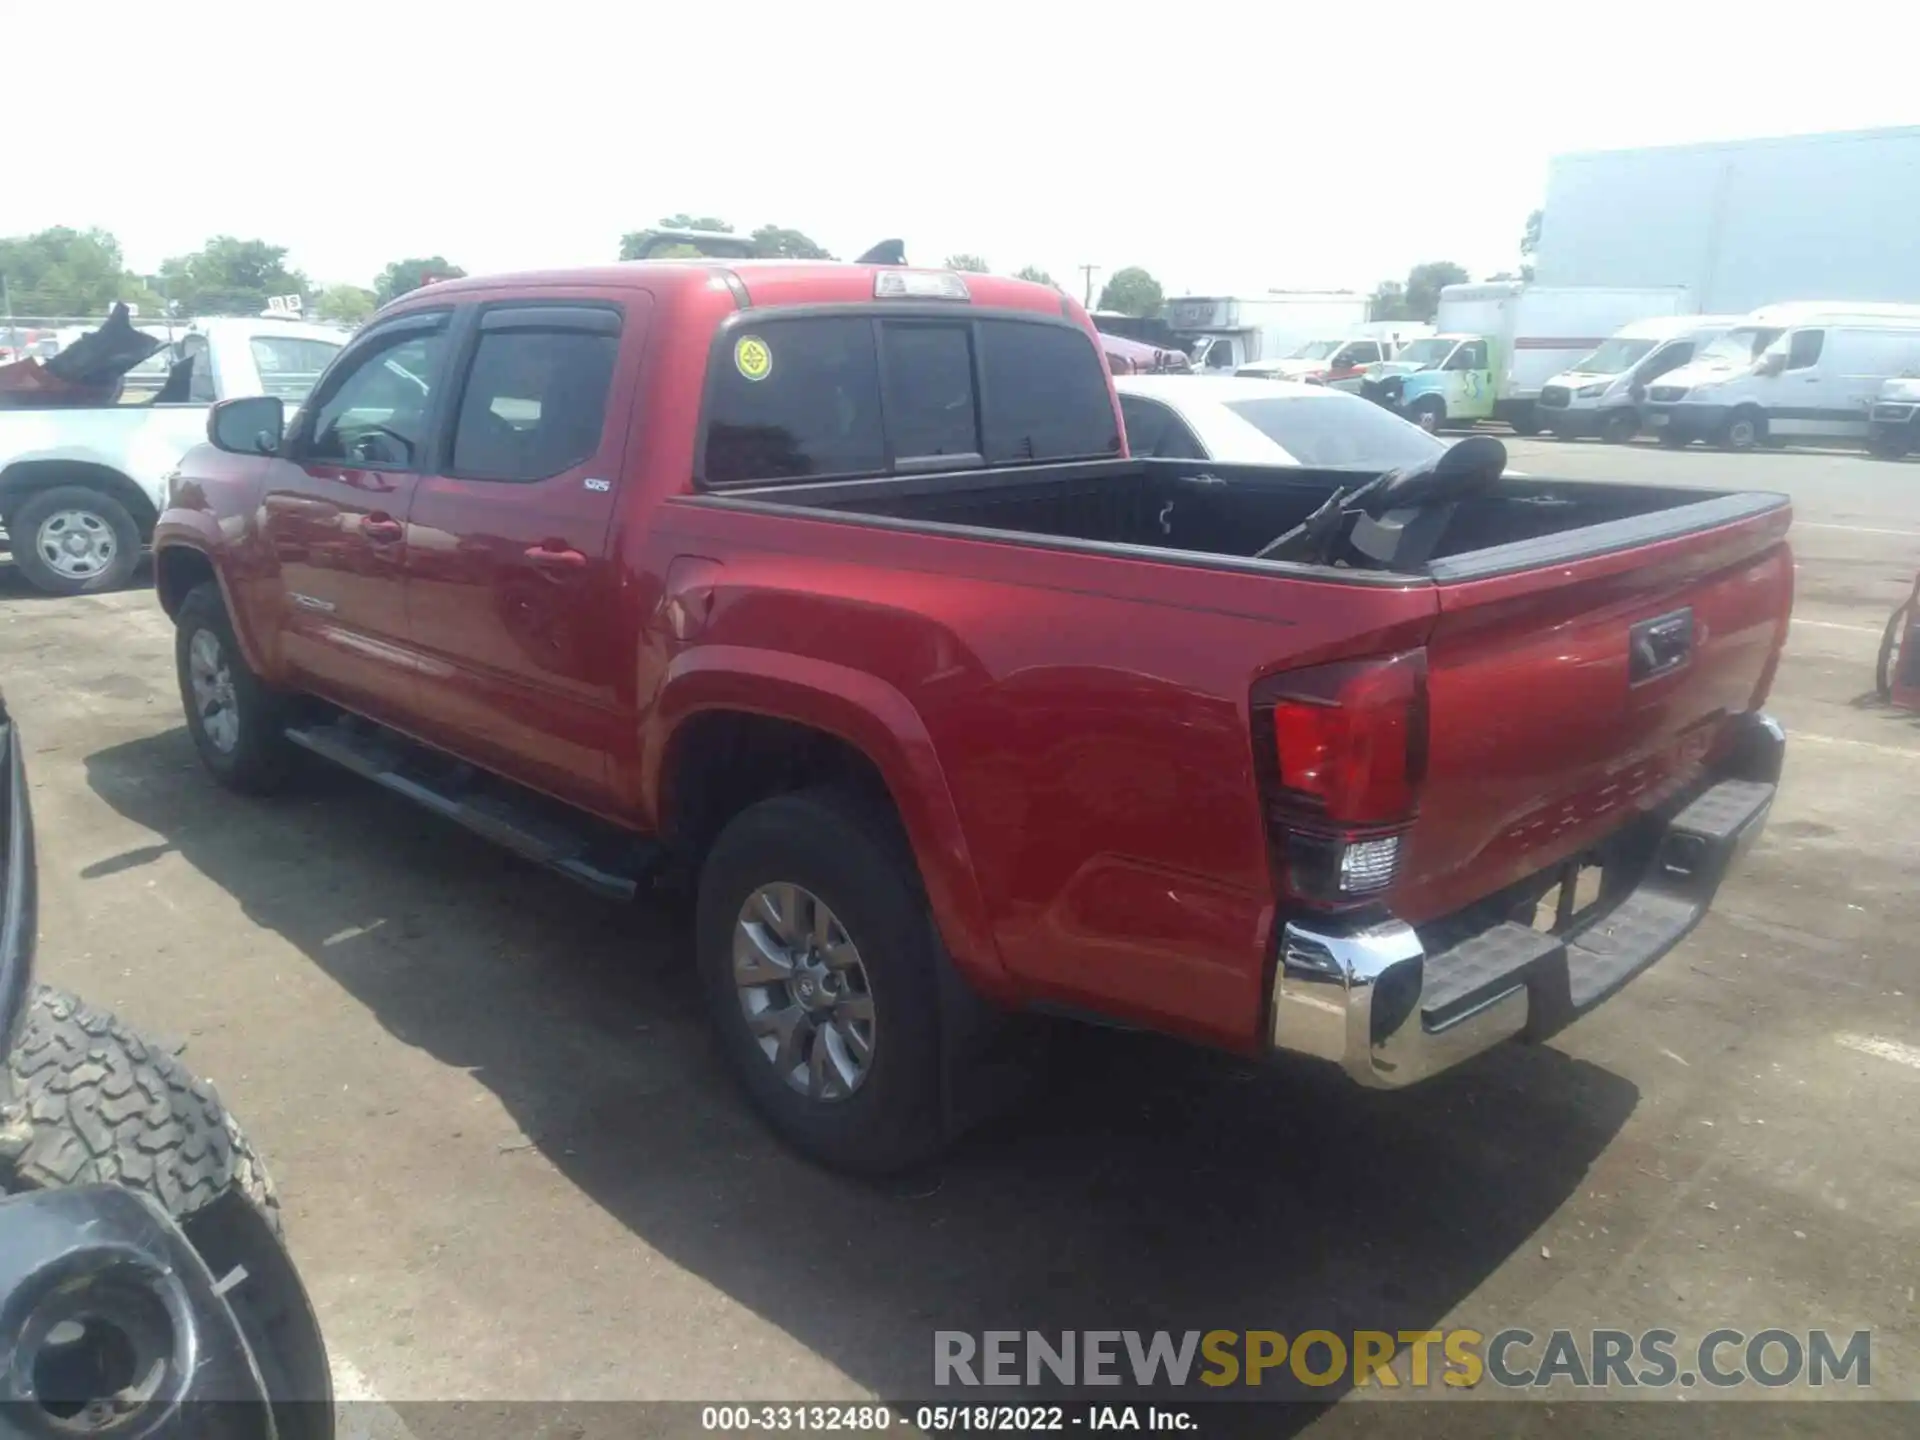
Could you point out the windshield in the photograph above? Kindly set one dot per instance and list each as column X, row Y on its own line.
column 1338, row 430
column 1315, row 350
column 1426, row 353
column 1615, row 357
column 1740, row 347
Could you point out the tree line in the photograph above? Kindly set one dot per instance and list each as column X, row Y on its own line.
column 82, row 273
column 68, row 272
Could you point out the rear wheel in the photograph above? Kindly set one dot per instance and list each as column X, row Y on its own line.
column 1745, row 429
column 74, row 540
column 237, row 722
column 1889, row 647
column 817, row 958
column 1429, row 413
column 1674, row 439
column 1619, row 426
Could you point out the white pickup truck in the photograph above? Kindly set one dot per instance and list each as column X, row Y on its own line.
column 81, row 486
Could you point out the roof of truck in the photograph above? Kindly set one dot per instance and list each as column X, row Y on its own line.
column 1666, row 327
column 767, row 282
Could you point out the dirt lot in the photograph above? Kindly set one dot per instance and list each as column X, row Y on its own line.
column 513, row 1169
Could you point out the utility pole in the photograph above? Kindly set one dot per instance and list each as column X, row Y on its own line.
column 1089, row 271
column 6, row 303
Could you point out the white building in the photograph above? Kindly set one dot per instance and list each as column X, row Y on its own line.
column 1741, row 223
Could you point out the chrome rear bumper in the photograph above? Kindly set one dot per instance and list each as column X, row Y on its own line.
column 1372, row 999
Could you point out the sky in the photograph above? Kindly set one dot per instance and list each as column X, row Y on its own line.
column 1226, row 147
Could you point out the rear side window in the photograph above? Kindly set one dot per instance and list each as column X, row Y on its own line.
column 1154, row 432
column 817, row 396
column 1047, row 396
column 534, row 405
column 796, row 398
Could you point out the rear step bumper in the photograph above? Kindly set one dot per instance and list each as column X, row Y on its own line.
column 1373, row 1000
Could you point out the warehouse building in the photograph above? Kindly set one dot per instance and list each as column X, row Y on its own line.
column 1741, row 223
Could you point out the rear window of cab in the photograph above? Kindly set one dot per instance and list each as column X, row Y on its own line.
column 815, row 396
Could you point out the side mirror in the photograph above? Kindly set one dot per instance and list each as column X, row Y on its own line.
column 252, row 425
column 1771, row 363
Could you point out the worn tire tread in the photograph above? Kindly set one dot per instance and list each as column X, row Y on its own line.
column 101, row 1104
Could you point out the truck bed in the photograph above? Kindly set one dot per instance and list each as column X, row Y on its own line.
column 1546, row 726
column 1200, row 511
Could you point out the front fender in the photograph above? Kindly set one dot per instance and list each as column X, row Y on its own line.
column 201, row 532
column 877, row 720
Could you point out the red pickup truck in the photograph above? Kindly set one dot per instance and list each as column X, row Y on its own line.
column 833, row 588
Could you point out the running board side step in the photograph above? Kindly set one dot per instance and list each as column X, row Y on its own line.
column 590, row 852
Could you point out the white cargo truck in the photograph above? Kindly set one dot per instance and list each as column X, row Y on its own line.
column 1225, row 332
column 1500, row 341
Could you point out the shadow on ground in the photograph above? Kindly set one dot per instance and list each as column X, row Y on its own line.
column 1143, row 1185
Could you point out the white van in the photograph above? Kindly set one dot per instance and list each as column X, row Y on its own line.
column 1807, row 370
column 1601, row 394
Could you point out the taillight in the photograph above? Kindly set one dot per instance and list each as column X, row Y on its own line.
column 1341, row 752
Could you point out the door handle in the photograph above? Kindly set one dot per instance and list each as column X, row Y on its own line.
column 559, row 558
column 381, row 528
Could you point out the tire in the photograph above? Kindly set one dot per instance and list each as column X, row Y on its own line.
column 849, row 855
column 1526, row 423
column 1888, row 444
column 101, row 1105
column 1429, row 413
column 1619, row 426
column 1745, row 429
column 104, row 539
column 1673, row 439
column 1883, row 663
column 239, row 728
column 93, row 1102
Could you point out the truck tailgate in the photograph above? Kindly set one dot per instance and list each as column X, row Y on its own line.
column 1566, row 697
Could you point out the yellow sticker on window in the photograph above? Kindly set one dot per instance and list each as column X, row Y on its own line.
column 752, row 358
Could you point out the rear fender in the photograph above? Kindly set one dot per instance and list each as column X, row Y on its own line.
column 879, row 722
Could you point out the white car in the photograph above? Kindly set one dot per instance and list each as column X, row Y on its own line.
column 1265, row 422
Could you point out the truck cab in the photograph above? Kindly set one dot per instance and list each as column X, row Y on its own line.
column 1602, row 393
column 1436, row 381
column 1799, row 370
column 1339, row 363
